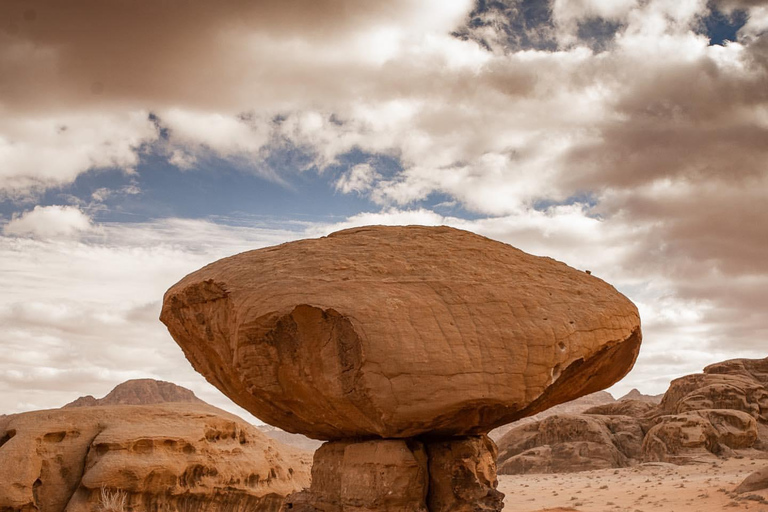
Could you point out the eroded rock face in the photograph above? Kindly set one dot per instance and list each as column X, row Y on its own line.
column 681, row 438
column 166, row 457
column 719, row 412
column 388, row 475
column 395, row 332
column 462, row 475
column 570, row 443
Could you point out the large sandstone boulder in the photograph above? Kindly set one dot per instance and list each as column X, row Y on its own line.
column 570, row 443
column 175, row 456
column 400, row 331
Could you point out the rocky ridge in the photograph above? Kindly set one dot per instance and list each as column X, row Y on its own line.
column 140, row 392
column 721, row 412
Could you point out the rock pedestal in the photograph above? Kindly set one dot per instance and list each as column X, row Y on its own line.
column 402, row 475
column 403, row 347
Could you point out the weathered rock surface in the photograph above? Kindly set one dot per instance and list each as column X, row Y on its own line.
column 176, row 456
column 462, row 475
column 389, row 475
column 577, row 406
column 400, row 331
column 569, row 443
column 634, row 408
column 140, row 392
column 756, row 481
column 682, row 438
column 398, row 475
column 718, row 413
column 722, row 411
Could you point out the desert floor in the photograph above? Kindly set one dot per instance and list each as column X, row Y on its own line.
column 702, row 487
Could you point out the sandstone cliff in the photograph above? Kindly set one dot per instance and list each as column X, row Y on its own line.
column 174, row 456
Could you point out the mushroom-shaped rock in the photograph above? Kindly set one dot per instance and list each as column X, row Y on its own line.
column 400, row 331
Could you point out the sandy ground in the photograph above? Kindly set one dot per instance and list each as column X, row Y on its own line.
column 701, row 487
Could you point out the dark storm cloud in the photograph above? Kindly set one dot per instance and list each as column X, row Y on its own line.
column 64, row 54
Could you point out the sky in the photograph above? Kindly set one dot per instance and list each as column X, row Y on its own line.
column 140, row 141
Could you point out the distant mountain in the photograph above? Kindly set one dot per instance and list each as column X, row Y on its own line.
column 297, row 440
column 573, row 407
column 637, row 395
column 140, row 392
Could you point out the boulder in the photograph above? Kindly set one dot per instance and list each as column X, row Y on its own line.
column 395, row 332
column 570, row 443
column 175, row 456
column 757, row 481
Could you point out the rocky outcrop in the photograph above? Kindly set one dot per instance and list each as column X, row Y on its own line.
column 719, row 412
column 400, row 336
column 140, row 392
column 682, row 438
column 634, row 408
column 164, row 457
column 569, row 443
column 577, row 406
column 400, row 331
column 757, row 481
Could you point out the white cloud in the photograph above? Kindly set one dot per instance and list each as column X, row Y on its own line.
column 80, row 316
column 49, row 222
column 38, row 152
column 358, row 179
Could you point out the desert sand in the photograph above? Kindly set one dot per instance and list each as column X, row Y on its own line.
column 702, row 487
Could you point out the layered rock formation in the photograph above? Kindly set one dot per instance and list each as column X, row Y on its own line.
column 718, row 413
column 429, row 335
column 175, row 456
